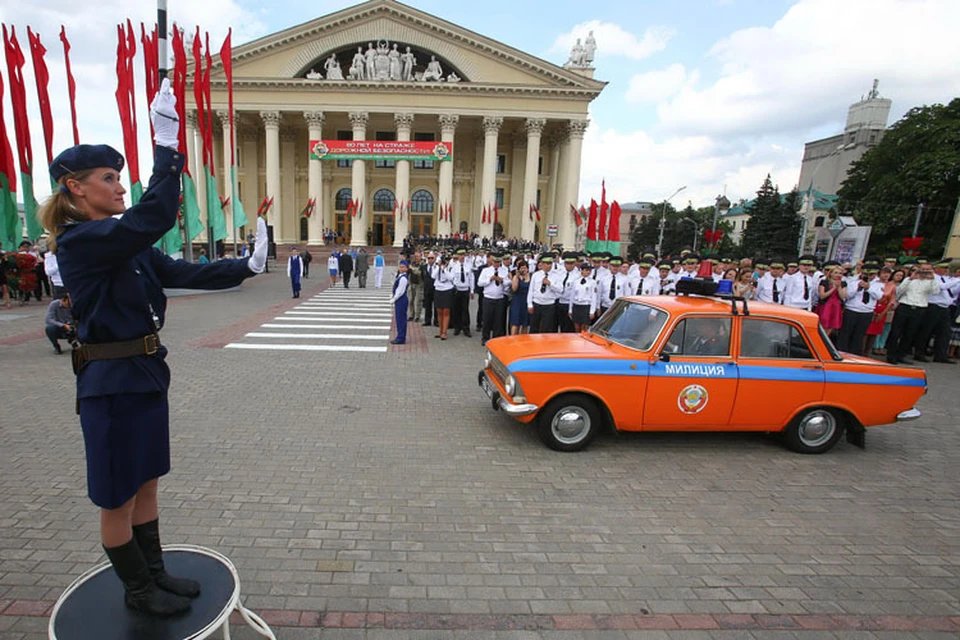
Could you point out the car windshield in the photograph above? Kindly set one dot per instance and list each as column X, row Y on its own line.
column 632, row 324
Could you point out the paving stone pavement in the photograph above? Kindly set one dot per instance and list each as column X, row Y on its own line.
column 378, row 496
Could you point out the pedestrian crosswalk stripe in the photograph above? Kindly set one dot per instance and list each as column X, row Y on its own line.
column 336, row 318
column 324, row 336
column 305, row 347
column 377, row 327
column 359, row 316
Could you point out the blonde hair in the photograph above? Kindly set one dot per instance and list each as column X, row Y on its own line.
column 59, row 209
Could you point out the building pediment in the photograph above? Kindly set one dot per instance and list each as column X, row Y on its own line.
column 383, row 42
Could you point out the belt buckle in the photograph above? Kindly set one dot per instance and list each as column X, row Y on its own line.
column 151, row 344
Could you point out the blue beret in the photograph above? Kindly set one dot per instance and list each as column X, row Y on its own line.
column 404, row 263
column 85, row 156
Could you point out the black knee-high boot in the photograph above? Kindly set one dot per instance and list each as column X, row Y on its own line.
column 140, row 591
column 147, row 536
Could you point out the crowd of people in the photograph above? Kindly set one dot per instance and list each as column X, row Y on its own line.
column 897, row 307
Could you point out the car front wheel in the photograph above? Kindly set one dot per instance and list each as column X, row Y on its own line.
column 569, row 423
column 815, row 430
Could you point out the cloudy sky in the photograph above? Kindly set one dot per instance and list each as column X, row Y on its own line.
column 707, row 94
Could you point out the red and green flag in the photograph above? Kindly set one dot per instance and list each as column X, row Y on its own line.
column 71, row 85
column 215, row 218
column 226, row 57
column 42, row 75
column 11, row 229
column 21, row 125
column 126, row 105
column 191, row 207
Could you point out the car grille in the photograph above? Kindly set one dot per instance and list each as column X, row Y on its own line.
column 498, row 370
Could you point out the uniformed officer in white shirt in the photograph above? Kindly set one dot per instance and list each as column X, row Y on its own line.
column 610, row 286
column 936, row 319
column 462, row 293
column 568, row 275
column 542, row 298
column 770, row 286
column 494, row 280
column 858, row 313
column 648, row 280
column 583, row 302
column 691, row 264
column 799, row 287
column 668, row 286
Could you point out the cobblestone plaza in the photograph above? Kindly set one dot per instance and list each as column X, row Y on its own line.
column 375, row 494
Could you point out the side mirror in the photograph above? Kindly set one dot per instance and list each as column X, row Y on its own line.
column 664, row 356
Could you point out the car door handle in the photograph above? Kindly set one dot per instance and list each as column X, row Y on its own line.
column 811, row 366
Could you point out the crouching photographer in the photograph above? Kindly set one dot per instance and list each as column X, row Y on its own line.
column 59, row 322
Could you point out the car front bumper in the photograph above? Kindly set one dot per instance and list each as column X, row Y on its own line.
column 909, row 414
column 498, row 402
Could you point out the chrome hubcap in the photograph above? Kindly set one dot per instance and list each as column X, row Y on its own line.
column 570, row 425
column 816, row 428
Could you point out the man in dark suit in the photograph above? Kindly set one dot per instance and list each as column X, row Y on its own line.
column 346, row 268
column 362, row 267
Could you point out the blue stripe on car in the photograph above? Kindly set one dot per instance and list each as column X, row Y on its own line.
column 588, row 366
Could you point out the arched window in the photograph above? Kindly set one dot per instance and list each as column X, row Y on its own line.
column 383, row 200
column 421, row 202
column 818, row 221
column 343, row 199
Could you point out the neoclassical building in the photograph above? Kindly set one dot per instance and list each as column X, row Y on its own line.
column 384, row 71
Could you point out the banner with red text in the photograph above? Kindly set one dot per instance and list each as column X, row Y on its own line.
column 380, row 150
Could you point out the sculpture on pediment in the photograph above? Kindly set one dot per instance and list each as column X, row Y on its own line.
column 434, row 71
column 408, row 60
column 358, row 67
column 576, row 55
column 394, row 56
column 453, row 77
column 371, row 56
column 382, row 61
column 589, row 49
column 333, row 68
column 313, row 75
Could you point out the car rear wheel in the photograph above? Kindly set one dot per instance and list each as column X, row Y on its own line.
column 569, row 423
column 815, row 430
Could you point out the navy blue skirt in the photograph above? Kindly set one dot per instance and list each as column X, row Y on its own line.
column 127, row 440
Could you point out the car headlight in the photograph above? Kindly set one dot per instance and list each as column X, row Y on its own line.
column 510, row 385
column 487, row 359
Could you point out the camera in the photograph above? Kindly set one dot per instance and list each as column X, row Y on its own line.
column 444, row 259
column 864, row 278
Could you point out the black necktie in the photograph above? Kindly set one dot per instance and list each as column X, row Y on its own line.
column 806, row 289
column 613, row 287
column 565, row 278
column 776, row 292
column 463, row 277
column 866, row 295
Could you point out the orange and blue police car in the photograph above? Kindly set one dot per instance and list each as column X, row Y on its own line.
column 697, row 362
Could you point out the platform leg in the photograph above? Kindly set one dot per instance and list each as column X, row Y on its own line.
column 226, row 629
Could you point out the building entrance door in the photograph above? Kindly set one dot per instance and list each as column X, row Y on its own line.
column 382, row 229
column 421, row 225
column 343, row 229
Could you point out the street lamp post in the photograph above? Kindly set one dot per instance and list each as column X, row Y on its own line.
column 663, row 221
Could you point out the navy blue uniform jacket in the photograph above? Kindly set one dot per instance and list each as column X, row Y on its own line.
column 116, row 279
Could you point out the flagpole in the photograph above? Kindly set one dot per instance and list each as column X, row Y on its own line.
column 162, row 45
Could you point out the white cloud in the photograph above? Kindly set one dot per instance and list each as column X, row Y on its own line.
column 613, row 40
column 655, row 86
column 821, row 56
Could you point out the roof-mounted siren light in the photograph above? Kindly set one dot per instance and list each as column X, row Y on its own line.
column 696, row 287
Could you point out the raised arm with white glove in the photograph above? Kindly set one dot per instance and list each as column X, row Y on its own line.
column 258, row 260
column 163, row 116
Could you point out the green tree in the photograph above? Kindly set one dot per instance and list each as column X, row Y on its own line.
column 773, row 228
column 917, row 161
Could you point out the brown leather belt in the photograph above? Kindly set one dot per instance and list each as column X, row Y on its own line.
column 145, row 346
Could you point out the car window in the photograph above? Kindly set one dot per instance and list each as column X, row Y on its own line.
column 631, row 324
column 700, row 337
column 771, row 339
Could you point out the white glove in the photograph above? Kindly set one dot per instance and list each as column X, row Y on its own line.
column 163, row 115
column 258, row 260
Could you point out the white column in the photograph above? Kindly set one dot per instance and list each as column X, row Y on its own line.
column 475, row 195
column 448, row 127
column 227, row 164
column 556, row 142
column 511, row 223
column 315, row 178
column 534, row 128
column 488, row 180
column 404, row 122
column 358, row 223
column 560, row 207
column 568, row 226
column 326, row 204
column 289, row 216
column 457, row 207
column 271, row 124
column 250, row 172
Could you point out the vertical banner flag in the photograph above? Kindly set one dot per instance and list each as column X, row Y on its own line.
column 37, row 51
column 12, row 230
column 496, row 214
column 126, row 104
column 191, row 208
column 614, row 233
column 215, row 218
column 226, row 57
column 71, row 85
column 21, row 125
column 603, row 211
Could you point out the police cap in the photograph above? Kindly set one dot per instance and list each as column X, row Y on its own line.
column 85, row 156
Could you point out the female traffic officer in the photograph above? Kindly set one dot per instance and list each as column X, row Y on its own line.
column 116, row 279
